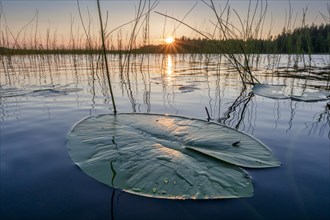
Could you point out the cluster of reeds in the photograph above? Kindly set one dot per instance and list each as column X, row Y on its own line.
column 244, row 55
column 28, row 39
column 225, row 30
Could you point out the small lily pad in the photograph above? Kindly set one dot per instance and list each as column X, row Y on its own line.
column 270, row 91
column 279, row 92
column 167, row 156
column 312, row 96
column 43, row 92
column 188, row 88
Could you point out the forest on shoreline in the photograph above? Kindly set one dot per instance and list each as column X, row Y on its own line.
column 307, row 40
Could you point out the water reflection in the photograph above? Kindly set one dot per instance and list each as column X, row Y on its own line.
column 165, row 83
column 169, row 66
column 320, row 123
column 236, row 112
column 172, row 84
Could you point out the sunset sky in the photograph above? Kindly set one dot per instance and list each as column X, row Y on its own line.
column 58, row 16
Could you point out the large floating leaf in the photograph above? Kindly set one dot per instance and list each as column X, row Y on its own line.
column 167, row 156
column 280, row 92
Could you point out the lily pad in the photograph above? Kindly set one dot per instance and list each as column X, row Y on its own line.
column 53, row 92
column 312, row 96
column 167, row 156
column 270, row 91
column 12, row 92
column 43, row 92
column 188, row 88
column 279, row 92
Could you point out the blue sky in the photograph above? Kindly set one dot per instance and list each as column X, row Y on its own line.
column 59, row 16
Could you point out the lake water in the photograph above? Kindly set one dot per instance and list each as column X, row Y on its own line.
column 43, row 97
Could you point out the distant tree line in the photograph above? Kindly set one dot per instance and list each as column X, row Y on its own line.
column 305, row 40
column 309, row 40
column 313, row 39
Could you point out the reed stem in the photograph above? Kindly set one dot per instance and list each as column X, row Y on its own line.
column 105, row 57
column 208, row 114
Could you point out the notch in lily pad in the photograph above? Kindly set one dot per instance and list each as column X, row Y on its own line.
column 166, row 156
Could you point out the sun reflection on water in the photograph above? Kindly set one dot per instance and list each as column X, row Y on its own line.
column 169, row 68
column 169, row 65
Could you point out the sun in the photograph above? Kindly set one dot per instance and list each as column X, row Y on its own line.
column 169, row 40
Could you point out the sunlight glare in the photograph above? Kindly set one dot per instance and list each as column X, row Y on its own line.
column 169, row 65
column 169, row 40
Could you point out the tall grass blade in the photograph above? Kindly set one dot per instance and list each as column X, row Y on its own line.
column 105, row 57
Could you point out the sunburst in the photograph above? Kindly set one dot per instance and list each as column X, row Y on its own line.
column 169, row 40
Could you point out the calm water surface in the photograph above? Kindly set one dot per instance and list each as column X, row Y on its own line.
column 43, row 97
